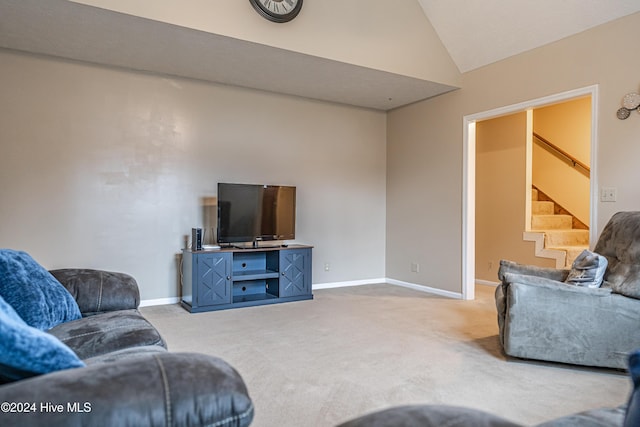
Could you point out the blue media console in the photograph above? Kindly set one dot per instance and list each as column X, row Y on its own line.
column 229, row 277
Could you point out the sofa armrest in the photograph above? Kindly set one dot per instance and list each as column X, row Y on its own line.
column 98, row 291
column 531, row 270
column 544, row 282
column 176, row 389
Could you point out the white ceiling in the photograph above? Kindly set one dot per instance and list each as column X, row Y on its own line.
column 475, row 32
column 480, row 32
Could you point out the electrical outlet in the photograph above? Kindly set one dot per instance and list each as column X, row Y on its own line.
column 327, row 266
column 415, row 267
column 608, row 194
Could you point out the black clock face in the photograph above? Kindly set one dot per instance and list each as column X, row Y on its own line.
column 277, row 10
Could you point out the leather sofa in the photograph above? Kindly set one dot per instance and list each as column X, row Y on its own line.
column 454, row 416
column 130, row 379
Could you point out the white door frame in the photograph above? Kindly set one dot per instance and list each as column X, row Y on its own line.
column 469, row 174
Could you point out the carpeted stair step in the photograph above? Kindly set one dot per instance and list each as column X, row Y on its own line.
column 553, row 233
column 541, row 208
column 551, row 222
column 557, row 238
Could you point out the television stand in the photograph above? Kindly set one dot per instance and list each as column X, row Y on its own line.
column 226, row 278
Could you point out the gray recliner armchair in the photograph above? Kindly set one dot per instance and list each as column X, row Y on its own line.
column 542, row 317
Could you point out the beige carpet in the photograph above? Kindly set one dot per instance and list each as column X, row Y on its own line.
column 358, row 349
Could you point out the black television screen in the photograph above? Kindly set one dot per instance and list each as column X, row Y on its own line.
column 249, row 213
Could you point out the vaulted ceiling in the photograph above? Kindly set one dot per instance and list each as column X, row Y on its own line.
column 475, row 33
column 479, row 32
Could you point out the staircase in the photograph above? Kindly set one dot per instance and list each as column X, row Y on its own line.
column 555, row 235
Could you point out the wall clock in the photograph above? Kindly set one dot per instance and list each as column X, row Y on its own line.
column 277, row 10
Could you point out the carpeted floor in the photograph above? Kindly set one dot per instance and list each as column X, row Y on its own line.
column 354, row 350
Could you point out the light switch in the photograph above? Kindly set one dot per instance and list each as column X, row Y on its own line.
column 608, row 194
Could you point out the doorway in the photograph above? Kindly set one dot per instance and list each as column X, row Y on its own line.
column 469, row 173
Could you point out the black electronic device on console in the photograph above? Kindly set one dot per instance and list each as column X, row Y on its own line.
column 196, row 239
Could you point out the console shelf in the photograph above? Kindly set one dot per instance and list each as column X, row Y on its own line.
column 249, row 299
column 254, row 275
column 230, row 277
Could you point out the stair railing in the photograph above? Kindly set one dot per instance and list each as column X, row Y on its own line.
column 562, row 155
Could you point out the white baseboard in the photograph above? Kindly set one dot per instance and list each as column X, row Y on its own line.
column 159, row 301
column 487, row 282
column 316, row 286
column 348, row 283
column 394, row 282
column 427, row 289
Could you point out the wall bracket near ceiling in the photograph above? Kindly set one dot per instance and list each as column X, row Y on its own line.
column 630, row 102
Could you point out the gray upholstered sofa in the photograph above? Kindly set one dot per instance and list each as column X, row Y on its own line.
column 130, row 379
column 541, row 317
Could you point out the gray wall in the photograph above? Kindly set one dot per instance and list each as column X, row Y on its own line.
column 425, row 144
column 106, row 168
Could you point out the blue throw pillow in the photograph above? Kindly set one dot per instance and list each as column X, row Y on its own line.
column 27, row 351
column 632, row 418
column 38, row 298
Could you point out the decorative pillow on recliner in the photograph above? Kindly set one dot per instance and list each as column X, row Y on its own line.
column 587, row 270
column 26, row 351
column 38, row 298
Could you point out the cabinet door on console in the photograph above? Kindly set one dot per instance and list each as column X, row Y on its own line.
column 295, row 269
column 214, row 278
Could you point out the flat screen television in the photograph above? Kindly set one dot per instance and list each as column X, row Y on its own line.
column 252, row 213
